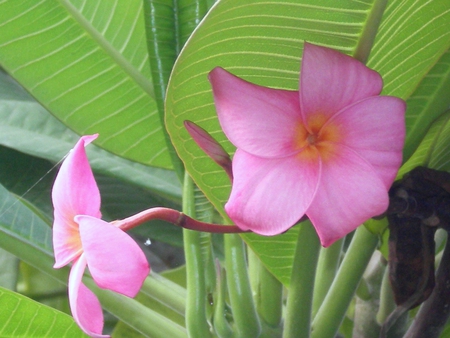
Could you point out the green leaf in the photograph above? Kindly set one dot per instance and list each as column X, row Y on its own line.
column 23, row 317
column 413, row 36
column 439, row 156
column 26, row 126
column 262, row 42
column 29, row 177
column 433, row 151
column 19, row 225
column 87, row 63
column 430, row 100
column 277, row 254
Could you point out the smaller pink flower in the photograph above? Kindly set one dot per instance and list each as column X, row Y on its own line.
column 330, row 150
column 114, row 259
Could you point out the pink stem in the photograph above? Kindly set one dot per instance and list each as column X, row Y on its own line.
column 174, row 217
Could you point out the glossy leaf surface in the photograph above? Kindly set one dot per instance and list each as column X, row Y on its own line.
column 87, row 63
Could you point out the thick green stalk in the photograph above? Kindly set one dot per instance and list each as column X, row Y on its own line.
column 196, row 322
column 221, row 326
column 333, row 309
column 189, row 13
column 327, row 267
column 244, row 313
column 299, row 302
column 168, row 24
column 267, row 291
column 162, row 46
column 156, row 287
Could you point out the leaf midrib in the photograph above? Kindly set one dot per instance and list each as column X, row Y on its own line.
column 128, row 68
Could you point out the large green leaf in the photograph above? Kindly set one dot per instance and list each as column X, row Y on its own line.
column 262, row 42
column 87, row 63
column 23, row 317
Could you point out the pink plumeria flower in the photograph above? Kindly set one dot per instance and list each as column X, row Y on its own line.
column 114, row 259
column 330, row 150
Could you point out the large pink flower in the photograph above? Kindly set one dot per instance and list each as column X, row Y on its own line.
column 330, row 150
column 114, row 259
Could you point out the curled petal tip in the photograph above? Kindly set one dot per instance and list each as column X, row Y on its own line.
column 86, row 139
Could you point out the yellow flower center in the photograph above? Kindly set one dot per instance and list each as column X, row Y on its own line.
column 316, row 139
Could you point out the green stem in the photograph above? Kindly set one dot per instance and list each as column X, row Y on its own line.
column 267, row 291
column 196, row 322
column 221, row 326
column 244, row 313
column 299, row 302
column 156, row 286
column 332, row 312
column 327, row 267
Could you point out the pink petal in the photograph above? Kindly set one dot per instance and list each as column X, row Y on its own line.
column 375, row 129
column 115, row 260
column 85, row 307
column 349, row 193
column 74, row 192
column 270, row 195
column 259, row 120
column 330, row 80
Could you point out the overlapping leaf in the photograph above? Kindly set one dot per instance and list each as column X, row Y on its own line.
column 27, row 127
column 262, row 41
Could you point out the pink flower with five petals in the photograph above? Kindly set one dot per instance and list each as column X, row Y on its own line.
column 330, row 150
column 114, row 259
